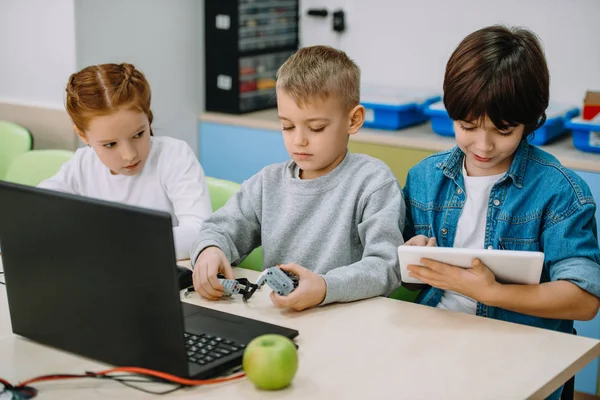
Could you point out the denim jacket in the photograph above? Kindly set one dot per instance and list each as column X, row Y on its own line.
column 538, row 205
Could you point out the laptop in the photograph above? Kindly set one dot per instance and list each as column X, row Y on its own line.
column 99, row 279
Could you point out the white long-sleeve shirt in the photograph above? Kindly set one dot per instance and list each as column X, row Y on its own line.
column 171, row 180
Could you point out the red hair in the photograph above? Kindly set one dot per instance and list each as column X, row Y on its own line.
column 104, row 89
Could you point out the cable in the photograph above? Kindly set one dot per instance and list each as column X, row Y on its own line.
column 122, row 379
column 126, row 383
column 169, row 377
column 140, row 375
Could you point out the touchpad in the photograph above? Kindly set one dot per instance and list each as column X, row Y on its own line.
column 213, row 325
column 201, row 320
column 208, row 317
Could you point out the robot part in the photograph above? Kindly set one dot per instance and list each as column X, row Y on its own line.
column 234, row 286
column 282, row 282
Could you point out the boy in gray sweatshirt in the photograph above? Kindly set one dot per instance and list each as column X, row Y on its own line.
column 331, row 217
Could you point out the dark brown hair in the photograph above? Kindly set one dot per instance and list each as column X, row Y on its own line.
column 104, row 89
column 499, row 72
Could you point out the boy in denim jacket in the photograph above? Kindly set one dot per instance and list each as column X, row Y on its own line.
column 494, row 190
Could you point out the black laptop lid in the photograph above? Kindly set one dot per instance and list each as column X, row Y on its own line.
column 91, row 277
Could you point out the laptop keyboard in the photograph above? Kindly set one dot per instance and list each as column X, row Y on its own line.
column 204, row 349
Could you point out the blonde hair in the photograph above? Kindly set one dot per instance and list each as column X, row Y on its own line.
column 320, row 72
column 104, row 89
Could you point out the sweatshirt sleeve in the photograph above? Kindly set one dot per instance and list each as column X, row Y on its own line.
column 235, row 228
column 380, row 231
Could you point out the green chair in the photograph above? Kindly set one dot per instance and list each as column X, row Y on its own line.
column 220, row 191
column 34, row 166
column 14, row 140
column 404, row 294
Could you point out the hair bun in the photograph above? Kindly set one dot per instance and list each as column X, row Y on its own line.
column 71, row 89
column 100, row 89
column 128, row 71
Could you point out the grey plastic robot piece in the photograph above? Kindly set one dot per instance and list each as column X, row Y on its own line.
column 230, row 286
column 240, row 285
column 282, row 283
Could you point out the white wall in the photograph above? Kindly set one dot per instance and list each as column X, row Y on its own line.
column 37, row 51
column 164, row 39
column 408, row 42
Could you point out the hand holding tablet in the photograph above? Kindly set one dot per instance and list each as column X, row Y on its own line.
column 509, row 266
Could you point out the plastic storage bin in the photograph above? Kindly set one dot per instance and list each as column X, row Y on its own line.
column 395, row 108
column 440, row 121
column 586, row 134
column 553, row 128
column 245, row 43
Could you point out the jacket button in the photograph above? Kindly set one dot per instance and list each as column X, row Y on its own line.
column 444, row 231
column 490, row 247
column 496, row 202
column 459, row 191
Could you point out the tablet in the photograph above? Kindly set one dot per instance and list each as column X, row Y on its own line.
column 509, row 266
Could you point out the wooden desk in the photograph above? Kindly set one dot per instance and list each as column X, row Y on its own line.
column 372, row 349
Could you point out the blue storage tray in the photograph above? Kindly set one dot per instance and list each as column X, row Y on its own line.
column 440, row 121
column 395, row 109
column 555, row 125
column 553, row 128
column 586, row 134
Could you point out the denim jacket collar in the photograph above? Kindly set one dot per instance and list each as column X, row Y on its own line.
column 452, row 164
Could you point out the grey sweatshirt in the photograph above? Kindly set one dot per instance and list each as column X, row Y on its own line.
column 345, row 226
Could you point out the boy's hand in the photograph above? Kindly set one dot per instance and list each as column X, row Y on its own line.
column 209, row 263
column 421, row 240
column 310, row 292
column 475, row 282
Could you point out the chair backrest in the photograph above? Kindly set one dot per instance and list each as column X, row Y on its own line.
column 220, row 191
column 34, row 166
column 14, row 140
column 404, row 294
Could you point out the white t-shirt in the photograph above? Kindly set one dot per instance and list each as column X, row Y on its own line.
column 470, row 232
column 171, row 180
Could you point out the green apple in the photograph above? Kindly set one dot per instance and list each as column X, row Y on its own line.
column 270, row 362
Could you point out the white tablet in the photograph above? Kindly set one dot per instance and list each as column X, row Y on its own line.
column 509, row 266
